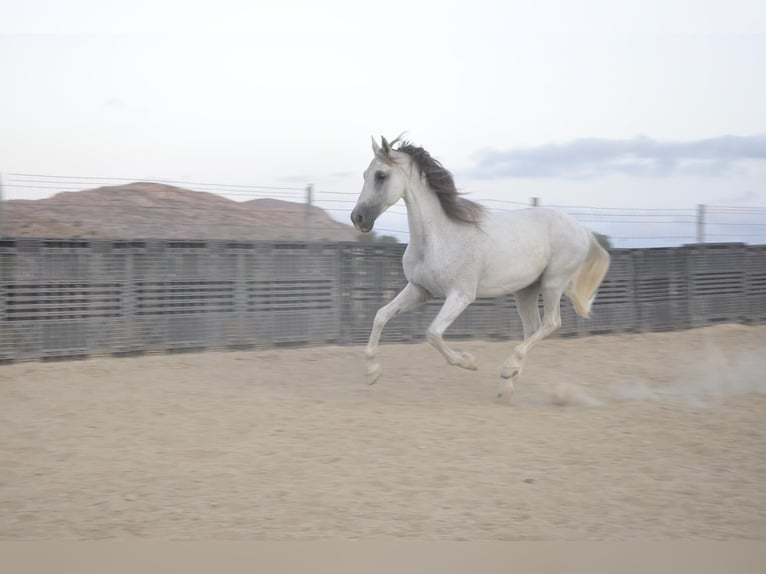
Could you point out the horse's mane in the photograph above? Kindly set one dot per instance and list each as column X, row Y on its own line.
column 440, row 180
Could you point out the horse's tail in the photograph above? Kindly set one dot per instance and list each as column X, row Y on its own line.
column 582, row 290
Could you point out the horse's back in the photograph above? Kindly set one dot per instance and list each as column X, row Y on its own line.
column 535, row 228
column 521, row 245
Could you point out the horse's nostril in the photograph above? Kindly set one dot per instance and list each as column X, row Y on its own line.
column 362, row 219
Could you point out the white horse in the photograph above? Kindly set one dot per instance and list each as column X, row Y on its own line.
column 459, row 252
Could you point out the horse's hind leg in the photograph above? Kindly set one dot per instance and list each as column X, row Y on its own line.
column 408, row 298
column 528, row 308
column 527, row 305
column 551, row 322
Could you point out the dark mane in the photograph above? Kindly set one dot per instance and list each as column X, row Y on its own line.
column 440, row 181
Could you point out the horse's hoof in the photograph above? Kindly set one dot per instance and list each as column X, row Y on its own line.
column 467, row 361
column 372, row 374
column 505, row 390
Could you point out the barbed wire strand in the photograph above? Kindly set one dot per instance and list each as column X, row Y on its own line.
column 639, row 219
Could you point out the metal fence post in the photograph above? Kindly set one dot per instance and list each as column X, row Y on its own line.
column 309, row 192
column 344, row 278
column 534, row 201
column 129, row 299
column 700, row 223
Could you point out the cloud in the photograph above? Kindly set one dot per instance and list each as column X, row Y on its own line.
column 638, row 157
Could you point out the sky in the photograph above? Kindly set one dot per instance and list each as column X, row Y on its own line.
column 648, row 104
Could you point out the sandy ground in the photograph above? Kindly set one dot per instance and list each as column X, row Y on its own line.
column 649, row 436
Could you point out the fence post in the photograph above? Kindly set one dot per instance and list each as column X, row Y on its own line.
column 700, row 223
column 1, row 205
column 534, row 201
column 309, row 192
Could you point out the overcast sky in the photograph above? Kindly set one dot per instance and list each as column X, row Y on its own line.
column 614, row 104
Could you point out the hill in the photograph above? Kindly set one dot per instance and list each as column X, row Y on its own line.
column 154, row 210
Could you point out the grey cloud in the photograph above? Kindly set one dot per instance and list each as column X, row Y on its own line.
column 638, row 157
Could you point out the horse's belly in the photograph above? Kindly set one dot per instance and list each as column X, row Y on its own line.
column 497, row 282
column 491, row 281
column 498, row 289
column 495, row 291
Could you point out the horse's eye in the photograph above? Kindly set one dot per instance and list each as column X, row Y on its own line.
column 380, row 176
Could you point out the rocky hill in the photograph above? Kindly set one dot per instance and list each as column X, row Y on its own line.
column 153, row 210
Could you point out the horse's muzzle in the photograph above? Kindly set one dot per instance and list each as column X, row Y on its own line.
column 363, row 219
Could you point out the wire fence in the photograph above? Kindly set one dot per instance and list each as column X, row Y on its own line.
column 624, row 227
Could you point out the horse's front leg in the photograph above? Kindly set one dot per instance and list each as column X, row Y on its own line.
column 409, row 298
column 454, row 304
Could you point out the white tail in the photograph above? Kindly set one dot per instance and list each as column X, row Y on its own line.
column 582, row 290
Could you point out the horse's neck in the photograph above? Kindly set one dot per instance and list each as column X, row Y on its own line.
column 426, row 219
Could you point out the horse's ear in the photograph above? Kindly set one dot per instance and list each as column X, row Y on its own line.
column 386, row 145
column 375, row 146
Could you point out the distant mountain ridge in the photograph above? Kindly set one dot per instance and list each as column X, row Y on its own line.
column 160, row 211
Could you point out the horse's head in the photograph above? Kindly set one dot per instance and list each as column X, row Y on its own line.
column 384, row 184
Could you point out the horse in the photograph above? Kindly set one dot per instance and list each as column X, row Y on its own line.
column 459, row 251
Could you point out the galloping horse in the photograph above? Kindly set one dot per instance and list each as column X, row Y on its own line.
column 460, row 252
